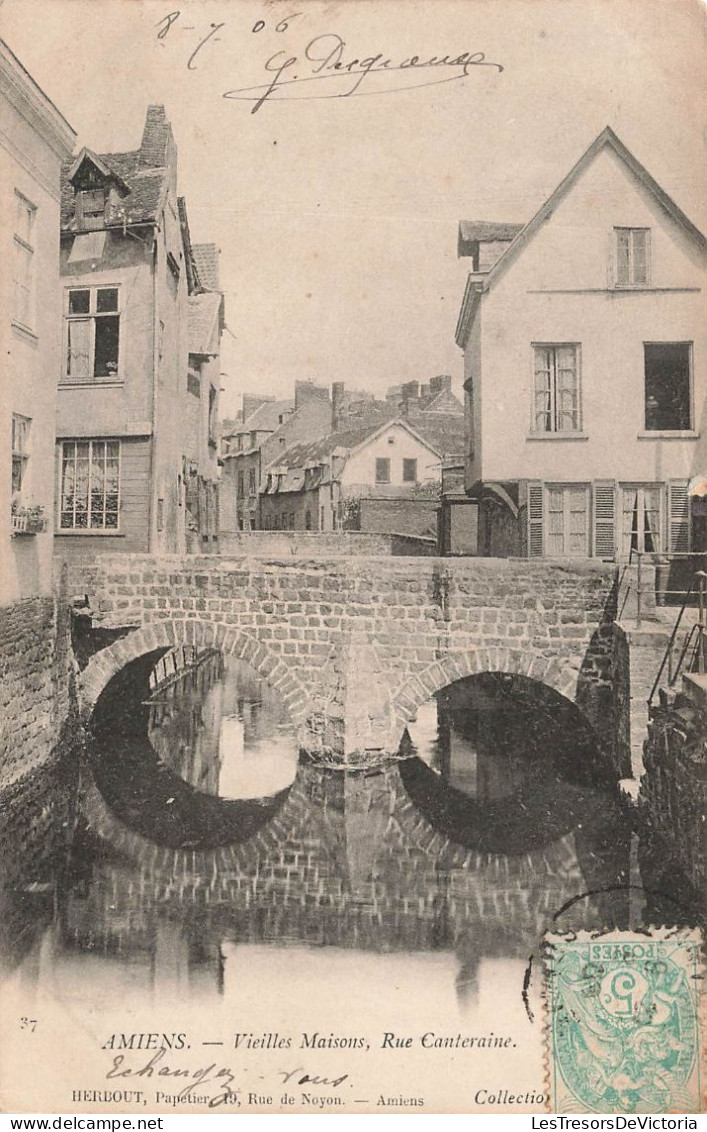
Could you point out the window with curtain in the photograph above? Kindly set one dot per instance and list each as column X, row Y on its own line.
column 556, row 394
column 92, row 340
column 90, row 485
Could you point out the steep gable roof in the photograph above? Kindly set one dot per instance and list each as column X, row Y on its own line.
column 140, row 173
column 206, row 260
column 347, row 440
column 266, row 418
column 606, row 138
column 476, row 287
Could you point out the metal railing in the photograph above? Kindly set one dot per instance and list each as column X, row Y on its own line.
column 693, row 653
column 653, row 587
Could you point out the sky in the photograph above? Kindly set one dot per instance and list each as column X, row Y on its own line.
column 336, row 217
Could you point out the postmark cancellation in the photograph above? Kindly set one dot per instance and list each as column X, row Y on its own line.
column 623, row 1021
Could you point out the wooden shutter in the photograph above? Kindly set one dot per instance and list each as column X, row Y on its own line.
column 604, row 498
column 535, row 520
column 678, row 516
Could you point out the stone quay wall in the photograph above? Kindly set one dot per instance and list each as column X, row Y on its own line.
column 673, row 797
column 36, row 671
column 355, row 646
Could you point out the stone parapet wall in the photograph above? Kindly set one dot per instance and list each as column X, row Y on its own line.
column 351, row 544
column 36, row 666
column 356, row 645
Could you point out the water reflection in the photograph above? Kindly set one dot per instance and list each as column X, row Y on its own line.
column 203, row 838
column 224, row 730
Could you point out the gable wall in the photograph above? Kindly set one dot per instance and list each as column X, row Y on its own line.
column 361, row 466
column 571, row 253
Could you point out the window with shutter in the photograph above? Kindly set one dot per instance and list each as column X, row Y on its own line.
column 604, row 496
column 535, row 520
column 678, row 516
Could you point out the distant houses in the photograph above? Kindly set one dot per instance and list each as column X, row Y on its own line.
column 289, row 465
column 585, row 368
column 355, row 479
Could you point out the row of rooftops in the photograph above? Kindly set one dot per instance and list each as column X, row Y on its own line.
column 437, row 420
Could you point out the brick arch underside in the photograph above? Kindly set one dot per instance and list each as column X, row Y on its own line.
column 562, row 677
column 166, row 634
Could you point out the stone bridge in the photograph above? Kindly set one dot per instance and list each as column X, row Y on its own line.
column 354, row 646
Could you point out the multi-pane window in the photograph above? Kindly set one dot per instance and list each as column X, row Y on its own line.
column 382, row 470
column 668, row 398
column 640, row 517
column 632, row 256
column 90, row 485
column 409, row 471
column 556, row 399
column 92, row 335
column 23, row 263
column 567, row 531
column 20, row 450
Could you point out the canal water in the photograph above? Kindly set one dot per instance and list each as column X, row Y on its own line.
column 203, row 874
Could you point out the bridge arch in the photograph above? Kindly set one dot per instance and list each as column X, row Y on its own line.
column 104, row 665
column 456, row 665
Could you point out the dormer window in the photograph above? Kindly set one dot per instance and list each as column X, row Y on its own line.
column 632, row 257
column 91, row 209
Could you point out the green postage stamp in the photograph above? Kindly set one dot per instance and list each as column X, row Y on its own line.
column 623, row 1021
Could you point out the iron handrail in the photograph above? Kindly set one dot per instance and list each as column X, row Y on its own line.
column 698, row 584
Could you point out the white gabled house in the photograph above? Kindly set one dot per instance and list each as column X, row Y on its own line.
column 585, row 367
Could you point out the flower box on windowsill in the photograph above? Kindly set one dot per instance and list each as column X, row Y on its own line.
column 28, row 521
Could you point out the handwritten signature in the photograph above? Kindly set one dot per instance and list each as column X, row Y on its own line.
column 222, row 1077
column 326, row 68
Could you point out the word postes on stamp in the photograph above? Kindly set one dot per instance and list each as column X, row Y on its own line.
column 623, row 1031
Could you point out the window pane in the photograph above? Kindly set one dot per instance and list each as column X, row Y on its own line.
column 542, row 402
column 107, row 299
column 409, row 471
column 667, row 386
column 23, row 284
column 382, row 470
column 106, row 350
column 77, row 348
column 79, row 302
column 24, row 216
column 640, row 255
column 622, row 269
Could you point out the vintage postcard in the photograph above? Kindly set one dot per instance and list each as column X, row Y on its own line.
column 353, row 556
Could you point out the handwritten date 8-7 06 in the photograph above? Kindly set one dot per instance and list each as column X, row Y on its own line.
column 326, row 67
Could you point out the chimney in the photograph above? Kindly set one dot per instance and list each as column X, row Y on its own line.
column 253, row 401
column 337, row 400
column 157, row 147
column 308, row 391
column 442, row 383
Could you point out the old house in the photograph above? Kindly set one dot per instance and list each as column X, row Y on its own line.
column 35, row 652
column 585, row 370
column 267, row 428
column 126, row 454
column 200, row 458
column 325, row 485
column 35, row 138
